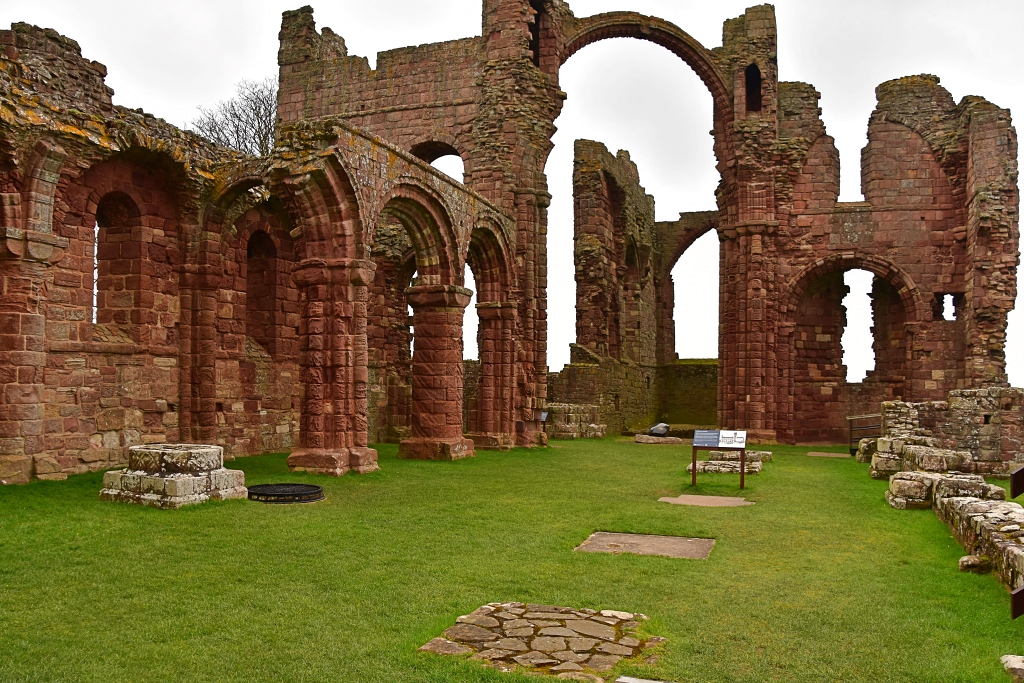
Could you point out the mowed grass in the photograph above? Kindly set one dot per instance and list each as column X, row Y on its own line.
column 819, row 581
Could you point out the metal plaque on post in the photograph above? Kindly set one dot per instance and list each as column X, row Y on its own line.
column 1017, row 482
column 720, row 439
column 1017, row 603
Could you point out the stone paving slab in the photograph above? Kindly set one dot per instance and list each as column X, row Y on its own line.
column 561, row 641
column 822, row 454
column 707, row 501
column 642, row 544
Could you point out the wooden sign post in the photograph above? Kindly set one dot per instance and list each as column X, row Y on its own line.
column 720, row 440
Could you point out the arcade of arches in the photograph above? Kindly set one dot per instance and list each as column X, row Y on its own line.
column 158, row 288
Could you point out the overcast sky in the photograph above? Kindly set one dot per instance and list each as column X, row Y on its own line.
column 170, row 57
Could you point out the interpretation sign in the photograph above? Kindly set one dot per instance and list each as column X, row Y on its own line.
column 725, row 439
column 715, row 438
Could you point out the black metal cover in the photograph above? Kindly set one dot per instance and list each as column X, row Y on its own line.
column 286, row 493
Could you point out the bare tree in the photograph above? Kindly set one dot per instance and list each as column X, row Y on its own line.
column 246, row 121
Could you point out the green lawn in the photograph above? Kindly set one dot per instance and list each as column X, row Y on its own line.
column 819, row 581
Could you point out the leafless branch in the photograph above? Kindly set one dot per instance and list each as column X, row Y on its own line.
column 246, row 121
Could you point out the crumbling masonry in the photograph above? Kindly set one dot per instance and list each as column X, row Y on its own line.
column 260, row 303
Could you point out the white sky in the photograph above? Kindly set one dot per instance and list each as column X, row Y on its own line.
column 170, row 57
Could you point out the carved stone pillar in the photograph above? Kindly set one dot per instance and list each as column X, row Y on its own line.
column 333, row 423
column 437, row 374
column 495, row 426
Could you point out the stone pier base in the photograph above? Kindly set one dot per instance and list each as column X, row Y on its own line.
column 436, row 449
column 333, row 462
column 169, row 476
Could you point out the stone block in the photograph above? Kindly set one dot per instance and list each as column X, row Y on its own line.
column 162, row 484
column 663, row 440
column 1014, row 665
column 729, row 456
column 15, row 469
column 885, row 464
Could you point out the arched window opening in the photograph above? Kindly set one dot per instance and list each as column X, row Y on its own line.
column 535, row 27
column 451, row 165
column 113, row 295
column 408, row 309
column 261, row 289
column 95, row 268
column 695, row 289
column 753, row 78
column 470, row 322
column 858, row 338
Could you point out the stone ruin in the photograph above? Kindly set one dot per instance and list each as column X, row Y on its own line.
column 975, row 431
column 562, row 642
column 169, row 476
column 157, row 288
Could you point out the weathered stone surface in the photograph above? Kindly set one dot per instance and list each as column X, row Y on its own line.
column 570, row 656
column 556, row 631
column 442, row 646
column 590, row 628
column 663, row 440
column 545, row 644
column 534, row 659
column 569, row 640
column 977, row 564
column 602, row 662
column 978, row 525
column 724, row 467
column 478, row 620
column 15, row 469
column 919, row 490
column 178, row 477
column 582, row 644
column 469, row 633
column 1014, row 665
column 513, row 644
column 519, row 632
column 645, row 544
column 750, row 456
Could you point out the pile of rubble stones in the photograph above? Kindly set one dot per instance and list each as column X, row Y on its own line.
column 728, row 462
column 556, row 640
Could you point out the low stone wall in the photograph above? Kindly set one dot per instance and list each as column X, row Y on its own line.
column 688, row 392
column 990, row 528
column 975, row 430
column 574, row 421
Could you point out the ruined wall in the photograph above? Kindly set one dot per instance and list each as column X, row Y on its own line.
column 203, row 334
column 987, row 423
column 688, row 391
column 205, row 318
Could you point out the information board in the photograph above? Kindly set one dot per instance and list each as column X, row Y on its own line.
column 715, row 438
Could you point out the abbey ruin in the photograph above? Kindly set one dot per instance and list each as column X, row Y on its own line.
column 261, row 303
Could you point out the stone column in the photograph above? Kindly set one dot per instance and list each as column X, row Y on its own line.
column 333, row 431
column 496, row 396
column 437, row 374
column 24, row 259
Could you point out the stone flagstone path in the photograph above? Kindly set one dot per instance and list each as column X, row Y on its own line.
column 561, row 641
